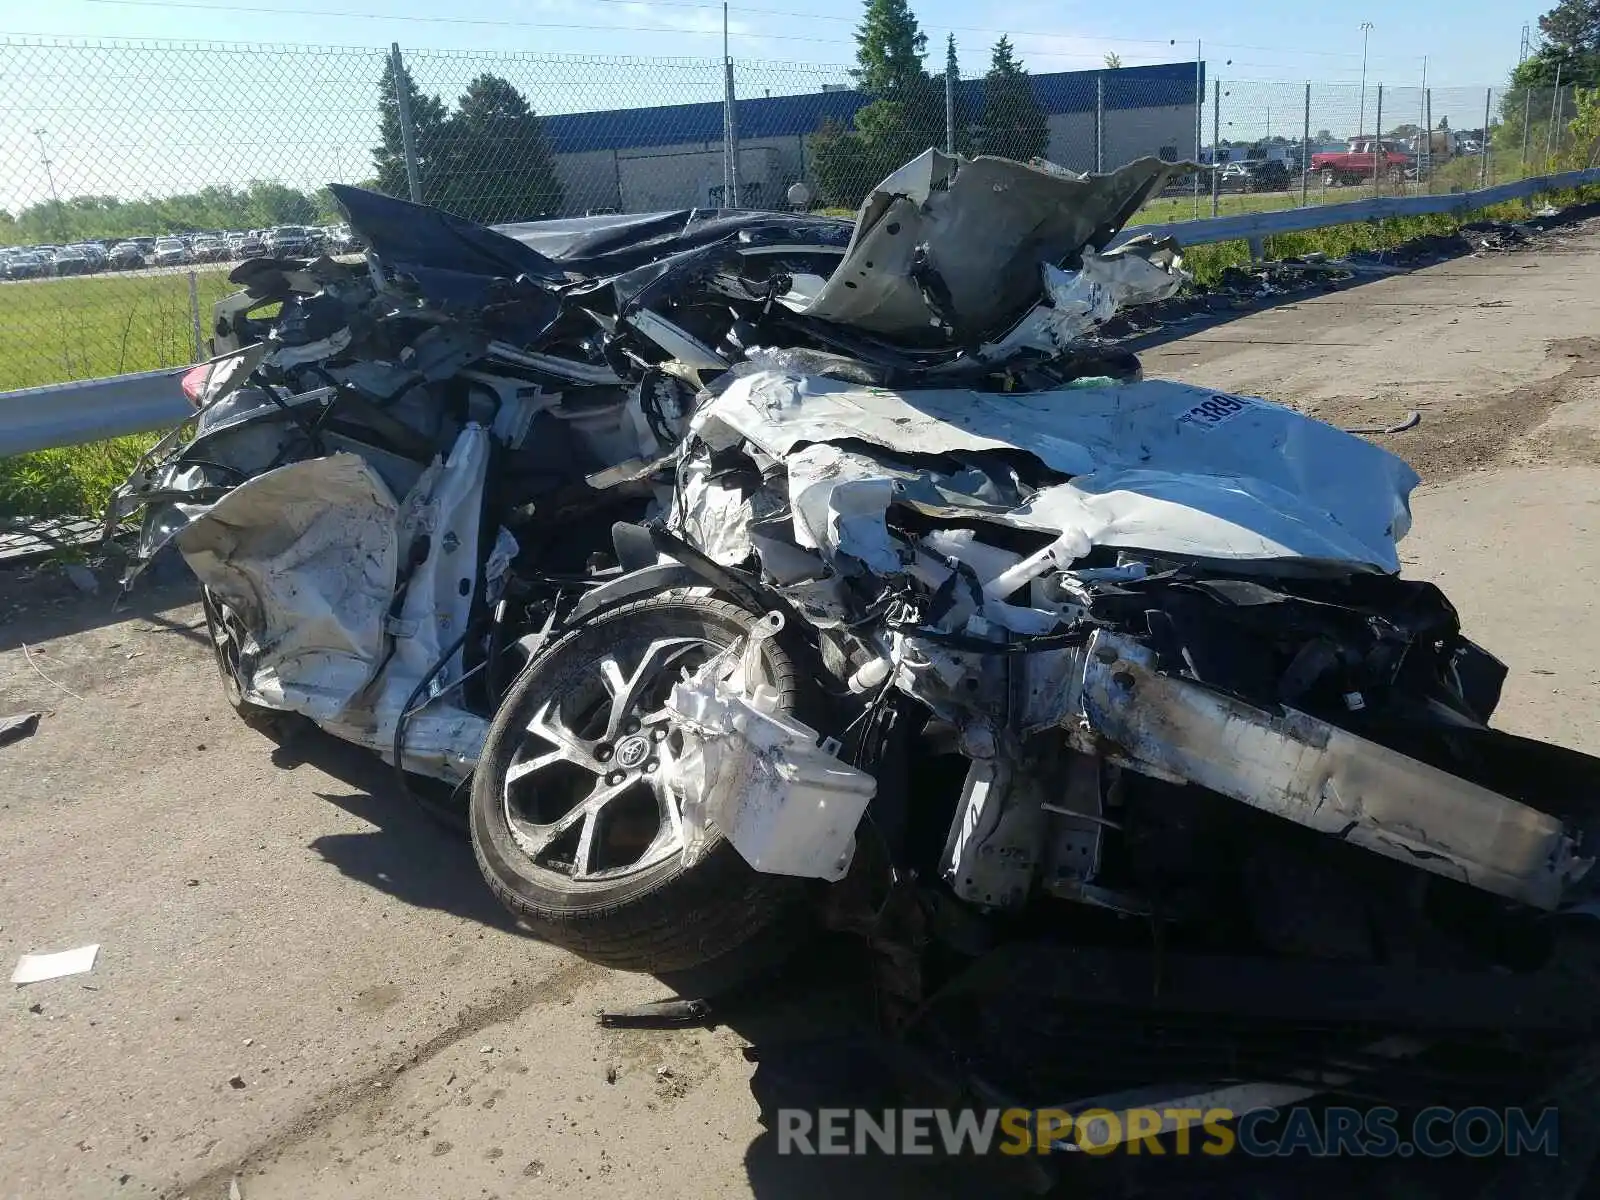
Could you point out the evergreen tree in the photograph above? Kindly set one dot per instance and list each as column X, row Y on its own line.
column 963, row 122
column 1013, row 125
column 498, row 162
column 427, row 123
column 904, row 117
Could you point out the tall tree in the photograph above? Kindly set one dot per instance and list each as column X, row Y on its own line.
column 498, row 162
column 1113, row 61
column 1572, row 27
column 427, row 123
column 905, row 115
column 1013, row 124
column 958, row 115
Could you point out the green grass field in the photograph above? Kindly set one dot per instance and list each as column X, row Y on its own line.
column 60, row 329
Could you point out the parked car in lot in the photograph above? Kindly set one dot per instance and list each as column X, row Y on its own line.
column 250, row 245
column 208, row 249
column 125, row 256
column 288, row 241
column 27, row 264
column 169, row 252
column 94, row 252
column 72, row 260
column 1359, row 161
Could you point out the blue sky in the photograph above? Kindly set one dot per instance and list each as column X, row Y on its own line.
column 1243, row 39
column 148, row 119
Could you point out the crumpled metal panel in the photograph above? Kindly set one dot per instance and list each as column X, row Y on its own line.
column 1155, row 465
column 979, row 228
column 1304, row 770
column 306, row 555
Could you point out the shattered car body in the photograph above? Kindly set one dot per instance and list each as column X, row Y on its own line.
column 755, row 565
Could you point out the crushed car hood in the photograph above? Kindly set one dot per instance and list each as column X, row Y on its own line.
column 949, row 248
column 1155, row 466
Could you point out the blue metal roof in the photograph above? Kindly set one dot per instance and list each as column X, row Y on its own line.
column 1167, row 84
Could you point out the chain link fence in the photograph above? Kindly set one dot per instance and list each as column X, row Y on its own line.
column 136, row 172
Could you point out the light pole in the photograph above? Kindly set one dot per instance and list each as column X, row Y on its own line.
column 1366, row 31
column 55, row 200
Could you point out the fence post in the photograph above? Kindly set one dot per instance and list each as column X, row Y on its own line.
column 1427, row 121
column 1527, row 124
column 194, row 317
column 731, row 132
column 408, row 134
column 1425, row 143
column 1549, row 132
column 1483, row 167
column 1305, row 152
column 1216, row 143
column 1377, row 145
column 950, row 109
column 1199, row 103
column 1099, row 122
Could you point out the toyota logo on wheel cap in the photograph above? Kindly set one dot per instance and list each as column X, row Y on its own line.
column 633, row 751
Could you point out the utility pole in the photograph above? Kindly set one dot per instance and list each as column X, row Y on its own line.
column 50, row 176
column 1361, row 125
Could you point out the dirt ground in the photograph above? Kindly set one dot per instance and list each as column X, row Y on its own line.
column 304, row 987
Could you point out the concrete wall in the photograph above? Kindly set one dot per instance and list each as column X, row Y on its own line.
column 684, row 176
column 1130, row 133
column 681, row 176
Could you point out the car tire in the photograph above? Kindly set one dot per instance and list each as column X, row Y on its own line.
column 223, row 631
column 670, row 911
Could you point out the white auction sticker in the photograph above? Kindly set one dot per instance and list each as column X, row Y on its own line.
column 1217, row 410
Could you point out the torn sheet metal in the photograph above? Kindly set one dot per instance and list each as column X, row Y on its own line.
column 306, row 556
column 1140, row 272
column 948, row 249
column 788, row 805
column 1307, row 771
column 1154, row 465
column 442, row 516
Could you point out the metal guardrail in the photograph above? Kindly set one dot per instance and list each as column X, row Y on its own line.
column 65, row 414
column 1255, row 227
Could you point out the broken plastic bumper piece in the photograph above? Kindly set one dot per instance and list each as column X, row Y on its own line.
column 1305, row 770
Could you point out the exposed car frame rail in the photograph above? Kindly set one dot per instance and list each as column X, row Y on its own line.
column 64, row 414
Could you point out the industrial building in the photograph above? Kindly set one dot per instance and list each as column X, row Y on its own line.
column 649, row 159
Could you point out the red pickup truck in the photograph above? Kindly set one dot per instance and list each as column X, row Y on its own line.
column 1355, row 164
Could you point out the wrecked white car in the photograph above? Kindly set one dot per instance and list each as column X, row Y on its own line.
column 753, row 567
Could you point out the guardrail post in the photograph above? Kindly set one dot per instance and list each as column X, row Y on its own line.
column 408, row 133
column 194, row 317
column 1377, row 145
column 1305, row 153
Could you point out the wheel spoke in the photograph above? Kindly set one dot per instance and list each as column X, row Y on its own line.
column 547, row 725
column 536, row 839
column 626, row 689
column 529, row 765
